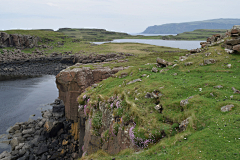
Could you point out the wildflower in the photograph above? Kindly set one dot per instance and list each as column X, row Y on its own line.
column 84, row 96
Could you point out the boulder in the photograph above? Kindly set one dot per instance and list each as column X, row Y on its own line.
column 233, row 42
column 188, row 63
column 183, row 124
column 236, row 48
column 154, row 69
column 209, row 61
column 134, row 81
column 28, row 131
column 235, row 90
column 162, row 62
column 227, row 108
column 52, row 127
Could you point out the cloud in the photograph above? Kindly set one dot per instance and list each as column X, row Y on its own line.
column 52, row 4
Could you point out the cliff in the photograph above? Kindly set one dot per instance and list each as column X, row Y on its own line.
column 71, row 83
column 18, row 41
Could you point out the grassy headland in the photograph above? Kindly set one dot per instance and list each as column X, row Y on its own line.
column 211, row 134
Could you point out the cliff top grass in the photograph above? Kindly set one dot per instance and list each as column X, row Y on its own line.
column 210, row 134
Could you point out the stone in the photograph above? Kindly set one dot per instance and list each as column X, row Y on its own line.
column 229, row 51
column 188, row 63
column 5, row 155
column 14, row 142
column 218, row 87
column 235, row 90
column 233, row 42
column 227, row 108
column 41, row 149
column 134, row 81
column 183, row 125
column 52, row 127
column 209, row 61
column 236, row 48
column 28, row 131
column 193, row 51
column 64, row 143
column 207, row 54
column 229, row 65
column 162, row 62
column 185, row 101
column 158, row 108
column 175, row 74
column 182, row 58
column 154, row 69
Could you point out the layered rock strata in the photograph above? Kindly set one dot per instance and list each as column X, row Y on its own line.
column 18, row 41
column 71, row 83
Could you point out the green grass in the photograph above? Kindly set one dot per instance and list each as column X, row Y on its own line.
column 211, row 134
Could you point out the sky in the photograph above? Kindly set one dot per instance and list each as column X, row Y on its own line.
column 131, row 16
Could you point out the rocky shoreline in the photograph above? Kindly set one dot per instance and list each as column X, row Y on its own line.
column 18, row 64
column 47, row 138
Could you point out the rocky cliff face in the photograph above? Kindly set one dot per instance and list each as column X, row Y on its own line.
column 18, row 41
column 71, row 83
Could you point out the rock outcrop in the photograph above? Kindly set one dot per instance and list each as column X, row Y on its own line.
column 71, row 83
column 231, row 45
column 18, row 41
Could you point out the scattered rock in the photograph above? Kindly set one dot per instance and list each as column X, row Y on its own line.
column 209, row 61
column 158, row 108
column 188, row 63
column 162, row 62
column 134, row 81
column 207, row 54
column 229, row 65
column 227, row 108
column 183, row 125
column 185, row 101
column 163, row 70
column 235, row 90
column 154, row 69
column 175, row 74
column 218, row 87
column 236, row 48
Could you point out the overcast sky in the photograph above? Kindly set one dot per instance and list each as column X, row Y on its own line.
column 131, row 16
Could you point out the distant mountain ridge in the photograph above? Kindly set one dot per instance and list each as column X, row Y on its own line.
column 176, row 28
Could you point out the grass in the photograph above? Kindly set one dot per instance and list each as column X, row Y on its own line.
column 211, row 134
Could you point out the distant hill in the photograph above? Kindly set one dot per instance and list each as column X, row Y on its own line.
column 175, row 28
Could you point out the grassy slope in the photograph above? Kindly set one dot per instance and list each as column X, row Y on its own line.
column 211, row 133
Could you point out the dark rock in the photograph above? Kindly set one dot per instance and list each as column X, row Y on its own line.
column 41, row 149
column 236, row 48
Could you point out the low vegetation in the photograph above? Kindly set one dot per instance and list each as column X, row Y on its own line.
column 210, row 134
